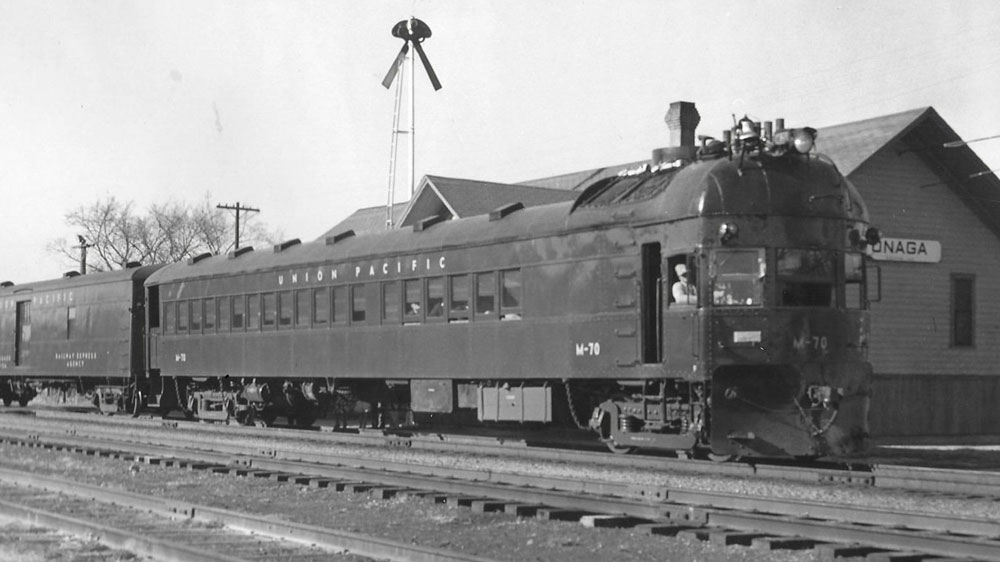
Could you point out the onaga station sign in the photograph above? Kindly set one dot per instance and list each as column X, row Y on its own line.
column 905, row 249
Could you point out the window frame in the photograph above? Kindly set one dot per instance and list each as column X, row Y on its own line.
column 960, row 313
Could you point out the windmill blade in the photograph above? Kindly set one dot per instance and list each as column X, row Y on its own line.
column 394, row 69
column 427, row 65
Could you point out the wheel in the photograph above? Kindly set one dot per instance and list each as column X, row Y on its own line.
column 136, row 405
column 7, row 401
column 619, row 449
column 720, row 458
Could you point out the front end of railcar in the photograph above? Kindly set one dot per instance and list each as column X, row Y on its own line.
column 785, row 320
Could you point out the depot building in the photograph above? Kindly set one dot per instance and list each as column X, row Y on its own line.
column 935, row 326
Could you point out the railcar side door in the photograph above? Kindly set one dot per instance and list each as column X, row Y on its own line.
column 22, row 332
column 680, row 318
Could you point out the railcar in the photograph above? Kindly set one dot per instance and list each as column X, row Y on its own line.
column 85, row 331
column 558, row 314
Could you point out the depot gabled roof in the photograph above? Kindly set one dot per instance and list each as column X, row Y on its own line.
column 450, row 198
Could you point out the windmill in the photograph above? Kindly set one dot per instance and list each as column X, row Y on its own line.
column 412, row 32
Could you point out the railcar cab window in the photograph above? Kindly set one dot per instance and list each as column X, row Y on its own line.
column 737, row 277
column 805, row 277
column 854, row 280
column 682, row 281
column 510, row 302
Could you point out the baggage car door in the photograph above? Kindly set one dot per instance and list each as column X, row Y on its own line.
column 22, row 332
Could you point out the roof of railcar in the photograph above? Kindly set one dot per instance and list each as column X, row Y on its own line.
column 77, row 281
column 687, row 199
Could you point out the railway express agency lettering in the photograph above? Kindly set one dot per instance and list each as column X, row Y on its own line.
column 364, row 271
column 905, row 249
column 76, row 359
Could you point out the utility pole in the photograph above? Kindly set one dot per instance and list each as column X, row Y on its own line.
column 83, row 253
column 237, row 207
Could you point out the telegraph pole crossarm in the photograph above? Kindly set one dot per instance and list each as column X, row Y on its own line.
column 237, row 207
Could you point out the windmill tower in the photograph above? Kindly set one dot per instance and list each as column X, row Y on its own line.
column 412, row 32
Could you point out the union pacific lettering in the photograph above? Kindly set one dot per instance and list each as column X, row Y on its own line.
column 365, row 271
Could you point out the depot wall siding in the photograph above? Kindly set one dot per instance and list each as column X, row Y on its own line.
column 911, row 326
column 924, row 386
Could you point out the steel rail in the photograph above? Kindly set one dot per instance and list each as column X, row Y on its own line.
column 951, row 481
column 874, row 527
column 364, row 545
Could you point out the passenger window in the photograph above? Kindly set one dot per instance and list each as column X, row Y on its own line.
column 510, row 304
column 268, row 310
column 253, row 312
column 390, row 302
column 196, row 316
column 321, row 306
column 209, row 321
column 435, row 297
column 224, row 314
column 458, row 307
column 302, row 308
column 70, row 321
column 169, row 314
column 183, row 310
column 340, row 309
column 486, row 291
column 239, row 312
column 358, row 304
column 286, row 309
column 412, row 310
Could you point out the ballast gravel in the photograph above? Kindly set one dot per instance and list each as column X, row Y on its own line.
column 408, row 519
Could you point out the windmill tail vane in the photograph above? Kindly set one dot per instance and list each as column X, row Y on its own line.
column 411, row 31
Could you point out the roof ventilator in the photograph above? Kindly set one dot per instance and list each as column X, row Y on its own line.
column 331, row 240
column 502, row 212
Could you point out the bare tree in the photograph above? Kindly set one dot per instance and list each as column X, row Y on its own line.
column 116, row 235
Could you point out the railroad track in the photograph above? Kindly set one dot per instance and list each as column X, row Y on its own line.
column 765, row 523
column 937, row 481
column 181, row 531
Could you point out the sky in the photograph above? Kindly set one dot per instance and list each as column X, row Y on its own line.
column 279, row 104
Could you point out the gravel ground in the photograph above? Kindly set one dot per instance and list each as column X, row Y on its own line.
column 407, row 519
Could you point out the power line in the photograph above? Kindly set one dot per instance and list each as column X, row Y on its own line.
column 237, row 207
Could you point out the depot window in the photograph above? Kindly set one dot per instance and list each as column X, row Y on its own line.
column 737, row 277
column 805, row 277
column 963, row 306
